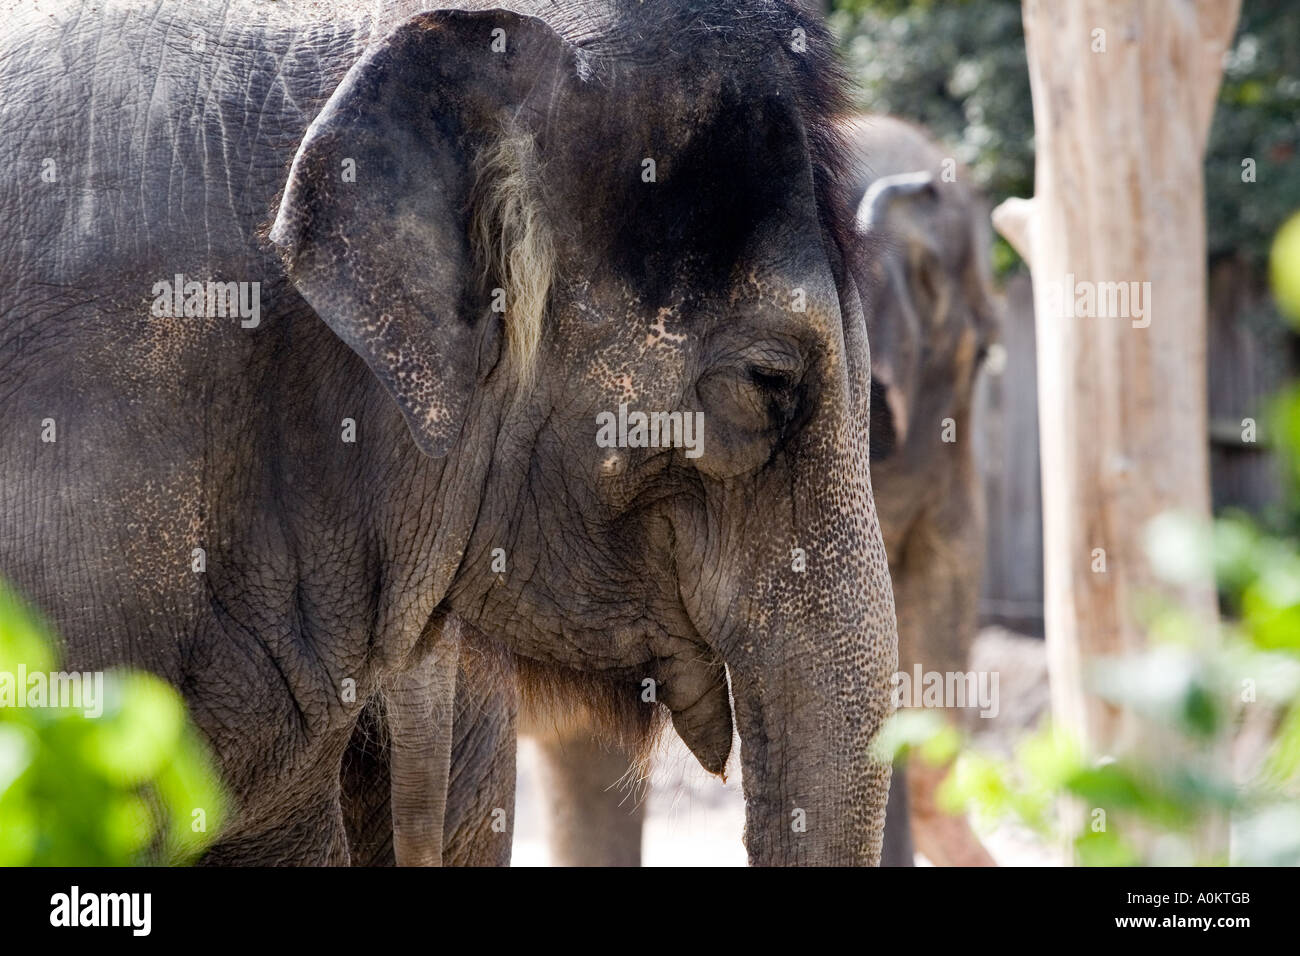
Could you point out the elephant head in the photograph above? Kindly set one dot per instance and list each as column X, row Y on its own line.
column 597, row 257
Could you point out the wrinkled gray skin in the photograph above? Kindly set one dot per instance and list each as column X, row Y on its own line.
column 329, row 562
column 934, row 322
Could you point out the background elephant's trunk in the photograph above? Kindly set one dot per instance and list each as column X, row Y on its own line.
column 813, row 794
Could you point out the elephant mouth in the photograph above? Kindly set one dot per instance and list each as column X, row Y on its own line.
column 694, row 686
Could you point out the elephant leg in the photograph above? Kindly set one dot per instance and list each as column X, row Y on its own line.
column 937, row 591
column 897, row 849
column 480, row 822
column 594, row 821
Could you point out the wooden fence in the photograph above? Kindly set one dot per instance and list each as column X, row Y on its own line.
column 1249, row 359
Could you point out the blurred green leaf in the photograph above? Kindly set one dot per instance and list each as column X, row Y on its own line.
column 913, row 729
column 138, row 732
column 113, row 789
column 1282, row 765
column 1104, row 849
column 1109, row 786
column 1284, row 269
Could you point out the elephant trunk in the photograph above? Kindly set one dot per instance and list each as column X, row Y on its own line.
column 798, row 605
column 814, row 796
column 811, row 677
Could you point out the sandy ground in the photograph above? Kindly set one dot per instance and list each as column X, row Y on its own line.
column 694, row 819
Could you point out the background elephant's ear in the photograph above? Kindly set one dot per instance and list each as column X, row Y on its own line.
column 374, row 224
column 895, row 346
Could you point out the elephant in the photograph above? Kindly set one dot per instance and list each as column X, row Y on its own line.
column 361, row 371
column 928, row 339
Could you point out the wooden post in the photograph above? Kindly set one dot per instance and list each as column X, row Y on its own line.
column 1123, row 94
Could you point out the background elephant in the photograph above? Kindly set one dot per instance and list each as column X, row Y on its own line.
column 929, row 336
column 929, row 331
column 310, row 323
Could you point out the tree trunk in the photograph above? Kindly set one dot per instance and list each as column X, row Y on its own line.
column 1123, row 94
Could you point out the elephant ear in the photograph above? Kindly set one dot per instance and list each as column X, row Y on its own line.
column 892, row 348
column 374, row 224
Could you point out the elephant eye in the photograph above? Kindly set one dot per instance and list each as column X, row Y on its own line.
column 778, row 389
column 771, row 380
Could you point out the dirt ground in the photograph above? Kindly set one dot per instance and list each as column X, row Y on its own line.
column 694, row 819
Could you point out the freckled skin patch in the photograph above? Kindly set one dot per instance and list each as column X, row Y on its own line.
column 658, row 333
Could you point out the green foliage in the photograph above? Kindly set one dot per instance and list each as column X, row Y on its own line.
column 1258, row 117
column 958, row 67
column 1284, row 269
column 1148, row 807
column 1215, row 704
column 131, row 785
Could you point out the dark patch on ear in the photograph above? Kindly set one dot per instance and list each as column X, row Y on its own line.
column 882, row 438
